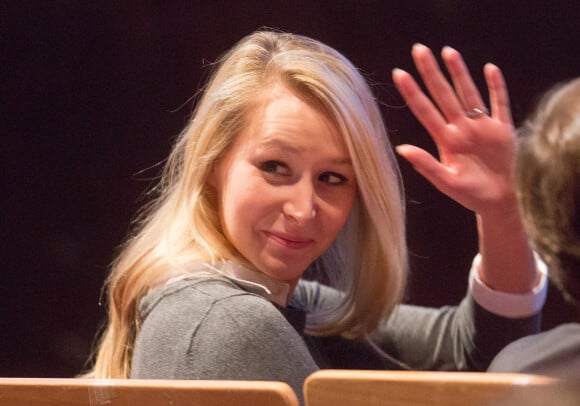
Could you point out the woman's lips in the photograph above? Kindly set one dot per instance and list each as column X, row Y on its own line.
column 289, row 241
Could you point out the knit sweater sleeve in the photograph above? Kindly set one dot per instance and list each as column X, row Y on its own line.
column 464, row 337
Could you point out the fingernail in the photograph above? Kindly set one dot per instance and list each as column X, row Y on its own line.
column 397, row 73
column 418, row 45
column 401, row 149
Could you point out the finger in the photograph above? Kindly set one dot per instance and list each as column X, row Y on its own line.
column 427, row 165
column 421, row 106
column 439, row 88
column 498, row 93
column 462, row 80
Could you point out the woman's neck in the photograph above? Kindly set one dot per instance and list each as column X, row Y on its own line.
column 251, row 280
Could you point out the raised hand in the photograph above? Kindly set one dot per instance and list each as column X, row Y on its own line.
column 476, row 160
column 476, row 150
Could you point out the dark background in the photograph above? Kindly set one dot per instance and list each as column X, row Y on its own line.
column 93, row 93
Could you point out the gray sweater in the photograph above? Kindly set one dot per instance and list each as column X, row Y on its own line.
column 214, row 329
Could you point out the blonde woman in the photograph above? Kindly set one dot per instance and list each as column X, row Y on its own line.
column 286, row 165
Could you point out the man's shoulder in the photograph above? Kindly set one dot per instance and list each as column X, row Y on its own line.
column 562, row 336
column 554, row 352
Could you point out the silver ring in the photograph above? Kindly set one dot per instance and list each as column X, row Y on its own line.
column 477, row 112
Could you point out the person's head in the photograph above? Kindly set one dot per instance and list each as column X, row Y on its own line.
column 548, row 177
column 286, row 185
column 246, row 132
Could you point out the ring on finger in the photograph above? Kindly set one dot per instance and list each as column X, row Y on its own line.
column 477, row 112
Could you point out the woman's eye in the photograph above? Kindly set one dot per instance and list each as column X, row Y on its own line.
column 274, row 167
column 332, row 178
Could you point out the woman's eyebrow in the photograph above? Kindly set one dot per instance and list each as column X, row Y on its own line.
column 276, row 143
column 342, row 161
column 271, row 143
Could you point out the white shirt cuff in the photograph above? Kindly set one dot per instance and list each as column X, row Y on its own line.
column 511, row 305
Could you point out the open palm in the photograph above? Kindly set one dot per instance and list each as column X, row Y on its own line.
column 476, row 155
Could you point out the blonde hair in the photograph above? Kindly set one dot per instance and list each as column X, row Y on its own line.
column 369, row 257
column 548, row 176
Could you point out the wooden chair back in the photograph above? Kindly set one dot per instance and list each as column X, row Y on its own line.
column 410, row 388
column 124, row 392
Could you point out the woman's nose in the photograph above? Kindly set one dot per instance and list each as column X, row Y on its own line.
column 300, row 203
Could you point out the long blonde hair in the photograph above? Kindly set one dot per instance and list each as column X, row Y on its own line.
column 368, row 260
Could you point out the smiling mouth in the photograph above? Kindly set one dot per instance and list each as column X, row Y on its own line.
column 288, row 241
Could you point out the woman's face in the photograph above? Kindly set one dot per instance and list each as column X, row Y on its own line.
column 285, row 186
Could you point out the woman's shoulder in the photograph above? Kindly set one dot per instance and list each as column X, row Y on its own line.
column 192, row 295
column 203, row 328
column 208, row 313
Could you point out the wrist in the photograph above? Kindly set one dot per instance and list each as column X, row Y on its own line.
column 507, row 262
column 504, row 210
